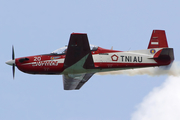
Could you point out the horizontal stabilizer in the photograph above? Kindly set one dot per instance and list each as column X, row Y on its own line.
column 164, row 56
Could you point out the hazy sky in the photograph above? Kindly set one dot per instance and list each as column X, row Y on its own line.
column 42, row 26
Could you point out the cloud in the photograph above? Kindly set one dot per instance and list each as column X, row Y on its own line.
column 162, row 103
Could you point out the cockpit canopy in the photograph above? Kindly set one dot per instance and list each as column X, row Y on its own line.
column 60, row 50
column 93, row 47
column 64, row 49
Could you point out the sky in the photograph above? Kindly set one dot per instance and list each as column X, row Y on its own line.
column 42, row 26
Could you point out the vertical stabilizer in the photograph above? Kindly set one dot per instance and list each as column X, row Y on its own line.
column 158, row 39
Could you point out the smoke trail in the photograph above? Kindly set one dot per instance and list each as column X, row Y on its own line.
column 162, row 103
column 172, row 70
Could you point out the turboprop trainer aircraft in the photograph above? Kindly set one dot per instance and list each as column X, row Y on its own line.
column 78, row 61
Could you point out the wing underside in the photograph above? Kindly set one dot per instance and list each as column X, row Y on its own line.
column 75, row 81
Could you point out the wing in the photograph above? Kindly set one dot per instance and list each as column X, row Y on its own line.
column 78, row 51
column 75, row 81
column 78, row 59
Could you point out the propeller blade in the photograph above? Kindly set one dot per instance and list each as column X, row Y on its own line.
column 13, row 70
column 13, row 67
column 12, row 52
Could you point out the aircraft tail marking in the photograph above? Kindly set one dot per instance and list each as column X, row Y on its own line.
column 158, row 39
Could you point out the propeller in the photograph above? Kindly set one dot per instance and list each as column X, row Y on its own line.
column 13, row 66
column 12, row 62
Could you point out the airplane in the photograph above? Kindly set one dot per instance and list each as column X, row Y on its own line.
column 79, row 61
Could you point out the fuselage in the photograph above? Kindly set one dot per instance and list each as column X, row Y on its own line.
column 104, row 60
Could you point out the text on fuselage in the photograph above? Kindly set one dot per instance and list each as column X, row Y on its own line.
column 134, row 59
column 45, row 63
column 131, row 59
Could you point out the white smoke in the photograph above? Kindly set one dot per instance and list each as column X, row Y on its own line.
column 162, row 103
column 172, row 70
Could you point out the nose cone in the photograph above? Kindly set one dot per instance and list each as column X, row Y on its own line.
column 10, row 62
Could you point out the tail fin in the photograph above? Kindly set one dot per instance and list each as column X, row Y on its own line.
column 158, row 39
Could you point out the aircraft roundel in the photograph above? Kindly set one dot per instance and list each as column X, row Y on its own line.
column 114, row 58
column 152, row 51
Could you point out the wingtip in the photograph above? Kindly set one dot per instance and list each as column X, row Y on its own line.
column 78, row 33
